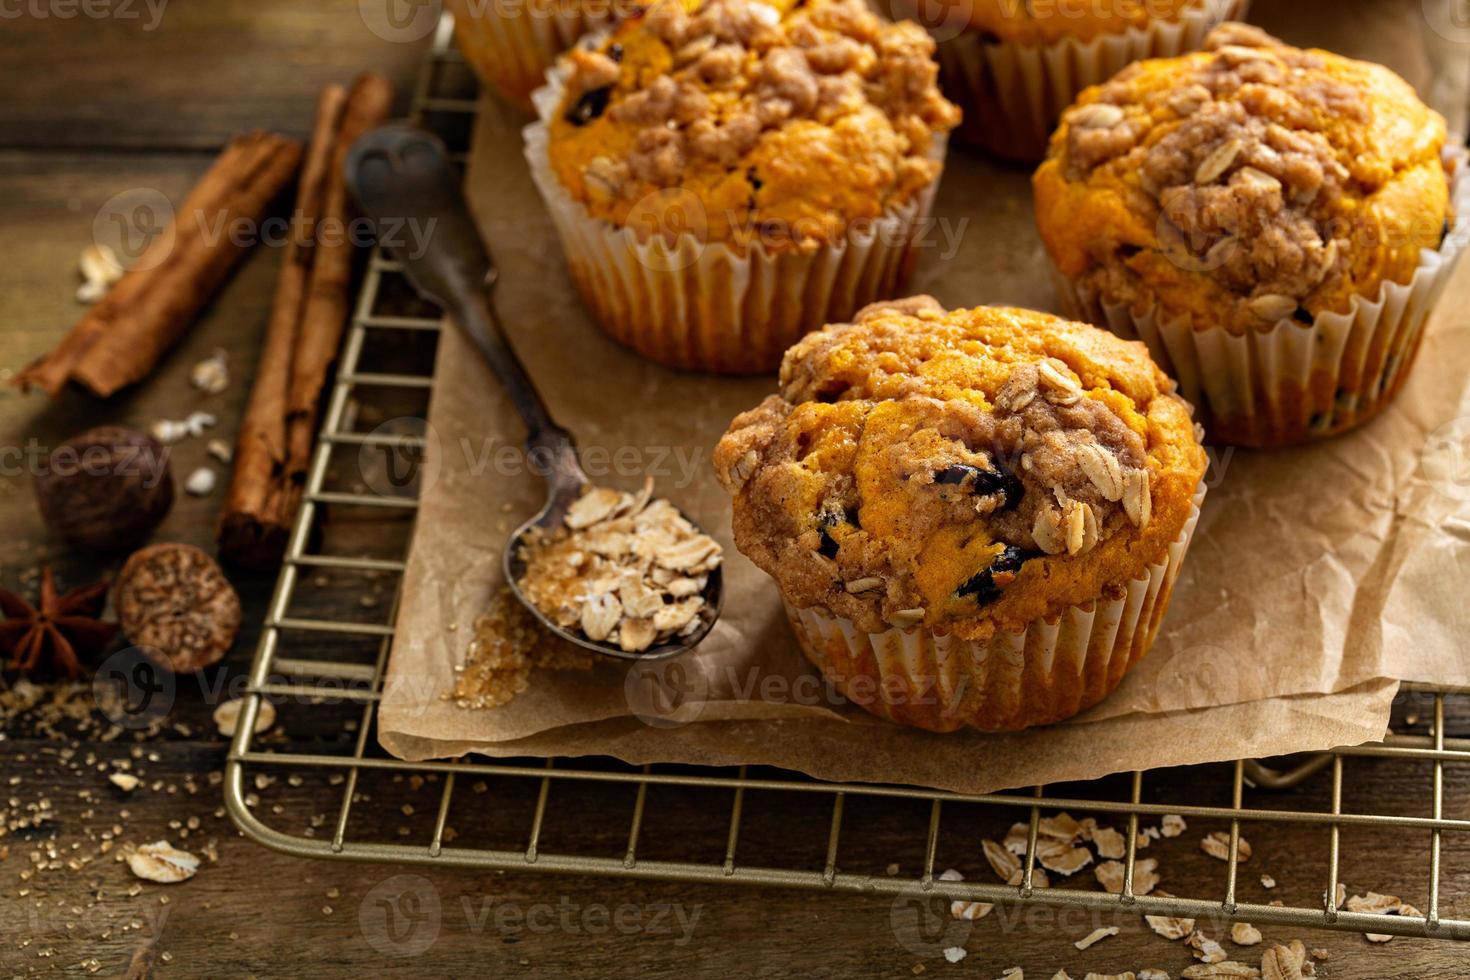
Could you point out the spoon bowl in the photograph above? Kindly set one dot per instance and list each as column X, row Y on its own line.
column 398, row 172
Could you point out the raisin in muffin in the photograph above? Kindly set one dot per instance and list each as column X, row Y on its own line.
column 512, row 45
column 977, row 513
column 1014, row 65
column 727, row 178
column 1242, row 209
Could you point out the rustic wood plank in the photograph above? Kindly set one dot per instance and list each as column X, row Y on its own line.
column 210, row 70
column 152, row 74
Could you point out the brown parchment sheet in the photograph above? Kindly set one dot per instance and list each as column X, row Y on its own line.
column 1317, row 579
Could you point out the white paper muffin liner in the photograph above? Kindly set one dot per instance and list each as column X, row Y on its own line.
column 1054, row 669
column 1295, row 382
column 1013, row 94
column 705, row 306
column 512, row 43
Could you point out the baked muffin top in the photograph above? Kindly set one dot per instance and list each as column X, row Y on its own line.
column 1048, row 21
column 1244, row 184
column 784, row 124
column 969, row 470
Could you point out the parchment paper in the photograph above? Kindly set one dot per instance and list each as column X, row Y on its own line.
column 1317, row 577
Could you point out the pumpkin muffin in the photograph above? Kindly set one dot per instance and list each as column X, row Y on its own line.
column 512, row 45
column 727, row 178
column 1270, row 220
column 975, row 517
column 1014, row 65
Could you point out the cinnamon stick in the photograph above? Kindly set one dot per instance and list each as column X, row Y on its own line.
column 308, row 314
column 119, row 340
column 254, row 523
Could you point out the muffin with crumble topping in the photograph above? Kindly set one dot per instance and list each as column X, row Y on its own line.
column 975, row 517
column 1014, row 65
column 1273, row 222
column 728, row 177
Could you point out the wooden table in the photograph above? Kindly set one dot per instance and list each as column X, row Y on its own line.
column 96, row 105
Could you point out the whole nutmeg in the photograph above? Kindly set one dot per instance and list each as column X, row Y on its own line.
column 175, row 604
column 107, row 488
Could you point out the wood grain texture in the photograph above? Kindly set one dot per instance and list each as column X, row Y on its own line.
column 152, row 73
column 209, row 70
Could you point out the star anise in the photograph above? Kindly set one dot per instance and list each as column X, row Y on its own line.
column 59, row 633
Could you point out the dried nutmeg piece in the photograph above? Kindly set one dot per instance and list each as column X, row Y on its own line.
column 176, row 605
column 106, row 488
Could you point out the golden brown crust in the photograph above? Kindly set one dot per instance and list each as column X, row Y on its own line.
column 1244, row 184
column 781, row 124
column 972, row 470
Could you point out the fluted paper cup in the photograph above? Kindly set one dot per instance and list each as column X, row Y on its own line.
column 1013, row 94
column 1052, row 670
column 1295, row 382
column 512, row 43
column 707, row 306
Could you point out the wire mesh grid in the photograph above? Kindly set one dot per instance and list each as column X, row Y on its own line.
column 342, row 690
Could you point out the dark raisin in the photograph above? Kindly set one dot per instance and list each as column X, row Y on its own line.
column 827, row 520
column 754, row 181
column 984, row 482
column 615, row 52
column 984, row 586
column 592, row 104
column 953, row 476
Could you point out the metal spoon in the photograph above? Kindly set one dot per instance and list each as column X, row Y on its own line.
column 398, row 172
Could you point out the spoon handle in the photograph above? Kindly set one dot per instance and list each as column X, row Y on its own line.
column 400, row 174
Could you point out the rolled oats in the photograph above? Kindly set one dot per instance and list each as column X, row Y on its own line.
column 1096, row 115
column 625, row 569
column 1272, row 306
column 1224, row 970
column 163, row 863
column 1170, row 927
column 1218, row 161
column 1096, row 936
column 1217, row 845
column 1002, row 862
column 1284, row 962
column 1244, row 934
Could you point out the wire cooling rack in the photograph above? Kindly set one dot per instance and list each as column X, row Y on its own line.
column 335, row 686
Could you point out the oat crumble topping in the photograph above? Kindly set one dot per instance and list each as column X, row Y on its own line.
column 916, row 464
column 787, row 122
column 1248, row 183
